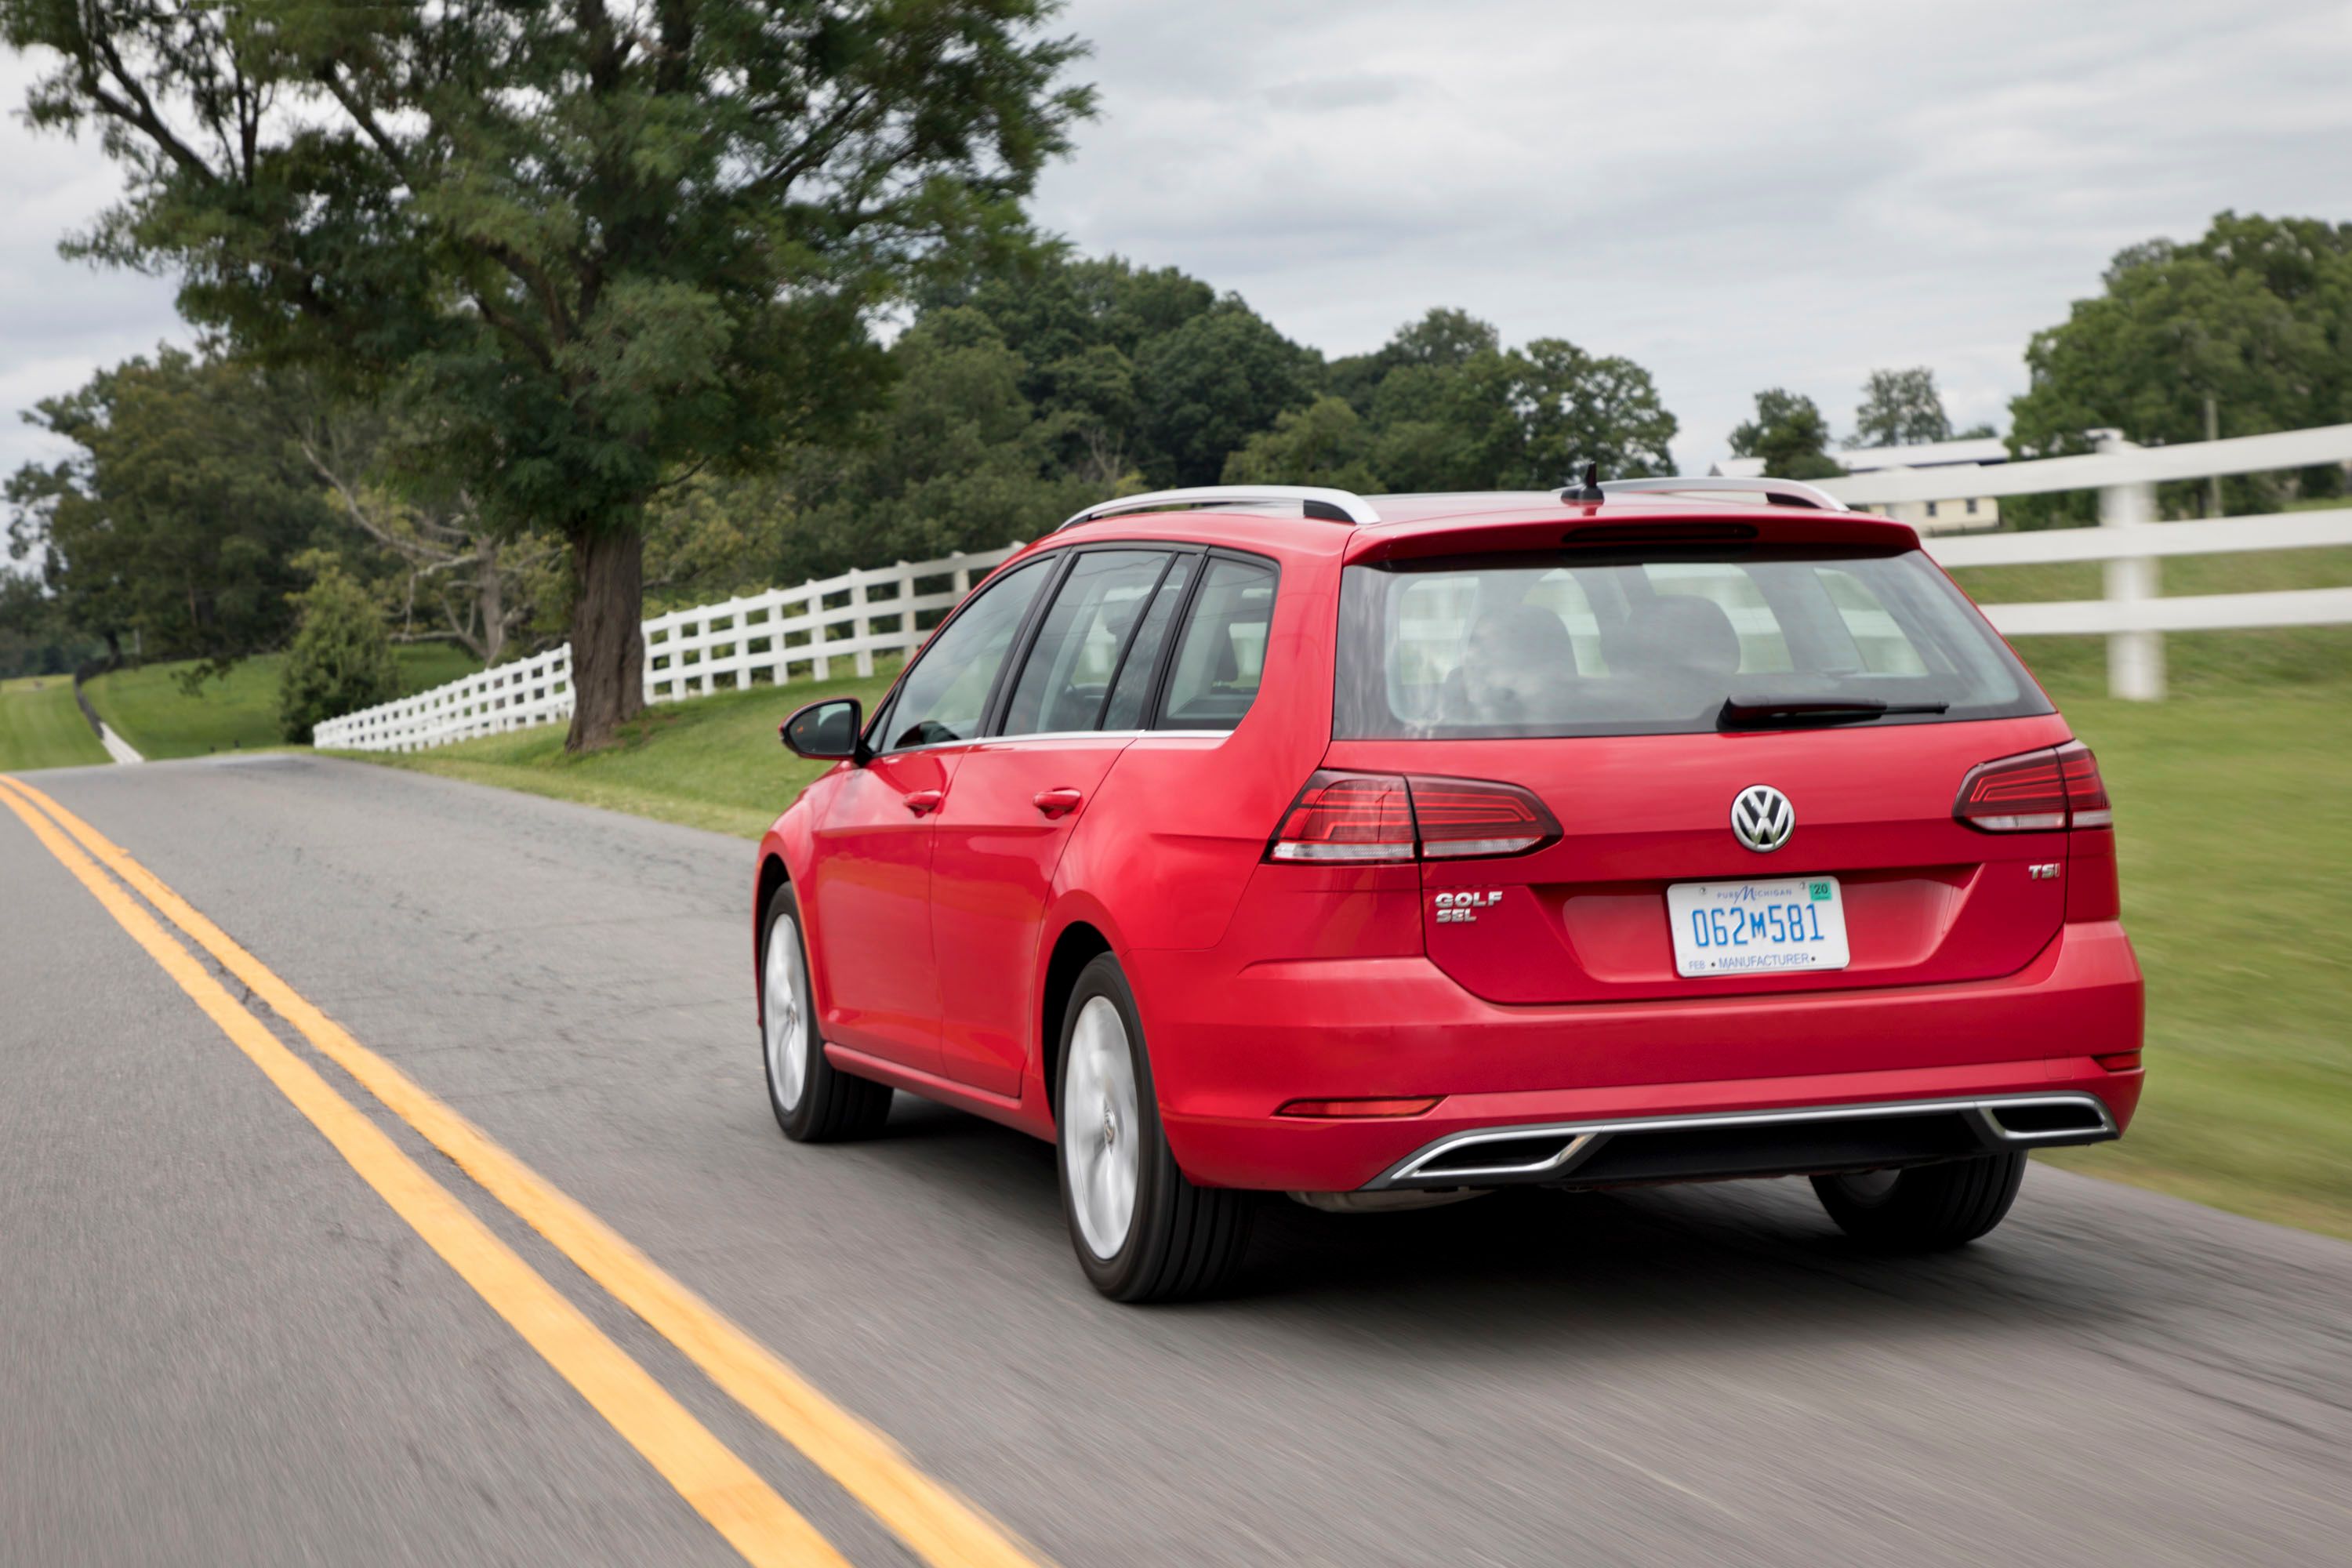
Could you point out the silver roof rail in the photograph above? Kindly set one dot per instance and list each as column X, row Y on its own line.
column 1339, row 506
column 1786, row 493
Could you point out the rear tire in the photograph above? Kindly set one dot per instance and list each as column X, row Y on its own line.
column 1928, row 1208
column 814, row 1102
column 1141, row 1230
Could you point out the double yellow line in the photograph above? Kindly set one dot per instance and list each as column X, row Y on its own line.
column 938, row 1526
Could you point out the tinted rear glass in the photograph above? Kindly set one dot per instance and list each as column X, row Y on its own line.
column 1623, row 645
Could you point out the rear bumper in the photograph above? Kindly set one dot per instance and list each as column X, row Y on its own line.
column 1228, row 1048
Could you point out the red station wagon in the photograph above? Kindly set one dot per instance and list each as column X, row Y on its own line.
column 1387, row 850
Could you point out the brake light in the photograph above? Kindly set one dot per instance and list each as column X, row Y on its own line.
column 1348, row 816
column 1373, row 818
column 1459, row 818
column 2040, row 792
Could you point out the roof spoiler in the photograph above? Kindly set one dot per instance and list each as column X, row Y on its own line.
column 1776, row 492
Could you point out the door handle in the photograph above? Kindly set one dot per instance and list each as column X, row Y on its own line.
column 1059, row 802
column 923, row 801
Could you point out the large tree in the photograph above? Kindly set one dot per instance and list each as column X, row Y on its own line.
column 1901, row 408
column 602, row 243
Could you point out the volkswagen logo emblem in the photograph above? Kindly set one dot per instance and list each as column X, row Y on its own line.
column 1762, row 818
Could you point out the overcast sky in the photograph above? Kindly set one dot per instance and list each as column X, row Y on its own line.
column 1736, row 193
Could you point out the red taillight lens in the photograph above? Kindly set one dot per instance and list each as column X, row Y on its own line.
column 1346, row 1107
column 1362, row 818
column 1463, row 818
column 2040, row 792
column 1353, row 817
column 2087, row 792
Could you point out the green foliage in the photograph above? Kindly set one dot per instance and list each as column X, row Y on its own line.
column 2256, row 315
column 341, row 661
column 177, row 516
column 1901, row 408
column 584, row 247
column 1208, row 384
column 35, row 638
column 1789, row 434
column 1444, row 408
column 959, row 460
column 1326, row 443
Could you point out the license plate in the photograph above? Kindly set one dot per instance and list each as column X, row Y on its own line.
column 1758, row 928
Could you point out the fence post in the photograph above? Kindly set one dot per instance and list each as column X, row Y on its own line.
column 2135, row 659
column 858, row 625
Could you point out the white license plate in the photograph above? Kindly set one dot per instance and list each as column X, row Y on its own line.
column 1758, row 928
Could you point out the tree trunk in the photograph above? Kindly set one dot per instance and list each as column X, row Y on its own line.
column 490, row 602
column 608, row 656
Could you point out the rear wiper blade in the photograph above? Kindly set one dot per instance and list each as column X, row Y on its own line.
column 1768, row 712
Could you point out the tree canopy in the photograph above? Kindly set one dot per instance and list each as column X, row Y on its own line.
column 1443, row 406
column 590, row 244
column 2256, row 315
column 1900, row 408
column 1789, row 434
column 177, row 516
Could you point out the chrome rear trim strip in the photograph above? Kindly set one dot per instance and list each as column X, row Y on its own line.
column 1580, row 1139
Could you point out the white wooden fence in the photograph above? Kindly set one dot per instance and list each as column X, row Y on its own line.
column 2132, row 616
column 689, row 653
column 775, row 635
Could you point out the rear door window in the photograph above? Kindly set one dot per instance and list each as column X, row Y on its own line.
column 1065, row 679
column 1619, row 645
column 1221, row 651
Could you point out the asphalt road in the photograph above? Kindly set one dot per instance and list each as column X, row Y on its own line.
column 217, row 1344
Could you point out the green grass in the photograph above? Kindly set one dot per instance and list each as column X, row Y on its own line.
column 2235, row 831
column 712, row 761
column 41, row 725
column 237, row 712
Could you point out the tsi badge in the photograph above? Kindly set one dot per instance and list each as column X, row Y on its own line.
column 1462, row 909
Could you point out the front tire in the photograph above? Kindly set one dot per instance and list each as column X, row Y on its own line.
column 1928, row 1208
column 814, row 1102
column 1141, row 1230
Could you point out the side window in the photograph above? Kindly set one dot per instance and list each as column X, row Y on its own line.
column 1221, row 653
column 944, row 696
column 1132, row 693
column 1068, row 674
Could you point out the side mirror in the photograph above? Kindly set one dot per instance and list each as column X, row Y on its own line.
column 827, row 731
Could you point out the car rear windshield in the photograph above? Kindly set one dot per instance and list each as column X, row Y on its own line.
column 1657, row 643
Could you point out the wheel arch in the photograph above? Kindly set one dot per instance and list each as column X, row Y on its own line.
column 1079, row 944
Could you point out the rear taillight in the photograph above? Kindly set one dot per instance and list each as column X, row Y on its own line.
column 1348, row 816
column 1363, row 819
column 2040, row 792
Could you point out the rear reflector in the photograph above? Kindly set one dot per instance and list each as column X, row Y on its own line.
column 1365, row 818
column 1346, row 1107
column 2121, row 1061
column 2040, row 792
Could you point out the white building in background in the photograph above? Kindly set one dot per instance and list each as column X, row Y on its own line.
column 1926, row 516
